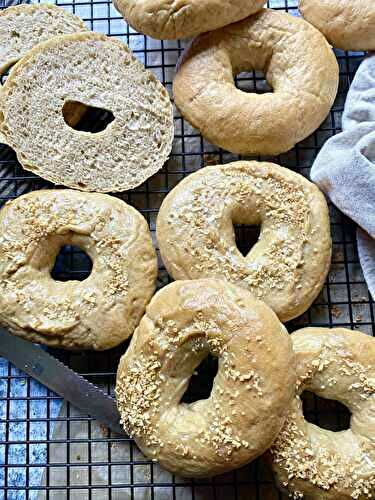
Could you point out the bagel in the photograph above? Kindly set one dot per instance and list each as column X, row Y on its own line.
column 347, row 24
column 24, row 26
column 286, row 267
column 97, row 313
column 298, row 64
column 320, row 464
column 94, row 70
column 253, row 387
column 167, row 20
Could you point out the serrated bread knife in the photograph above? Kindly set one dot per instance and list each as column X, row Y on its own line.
column 33, row 360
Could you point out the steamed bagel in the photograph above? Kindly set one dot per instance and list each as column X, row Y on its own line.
column 297, row 62
column 184, row 322
column 286, row 267
column 347, row 24
column 97, row 313
column 168, row 20
column 319, row 464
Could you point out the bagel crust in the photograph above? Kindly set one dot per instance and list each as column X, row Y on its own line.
column 298, row 64
column 254, row 385
column 286, row 267
column 347, row 24
column 93, row 70
column 319, row 464
column 97, row 313
column 168, row 20
column 23, row 26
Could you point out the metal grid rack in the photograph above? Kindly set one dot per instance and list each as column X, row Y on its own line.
column 51, row 452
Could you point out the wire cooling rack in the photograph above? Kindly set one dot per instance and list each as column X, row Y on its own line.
column 50, row 451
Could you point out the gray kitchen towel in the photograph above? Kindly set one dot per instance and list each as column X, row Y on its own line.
column 345, row 166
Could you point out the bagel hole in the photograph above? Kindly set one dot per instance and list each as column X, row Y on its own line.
column 71, row 263
column 252, row 81
column 246, row 236
column 85, row 118
column 200, row 383
column 326, row 413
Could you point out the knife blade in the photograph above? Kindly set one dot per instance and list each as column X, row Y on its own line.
column 49, row 371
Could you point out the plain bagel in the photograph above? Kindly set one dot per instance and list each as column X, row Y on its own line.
column 286, row 267
column 93, row 70
column 168, row 20
column 254, row 385
column 315, row 463
column 347, row 24
column 97, row 313
column 298, row 64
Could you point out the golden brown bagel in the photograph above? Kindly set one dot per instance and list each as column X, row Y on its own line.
column 286, row 267
column 253, row 387
column 347, row 24
column 166, row 19
column 297, row 62
column 97, row 313
column 318, row 464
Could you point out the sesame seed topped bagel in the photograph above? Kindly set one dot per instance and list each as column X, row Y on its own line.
column 286, row 267
column 96, row 313
column 298, row 64
column 347, row 24
column 319, row 464
column 254, row 385
column 168, row 20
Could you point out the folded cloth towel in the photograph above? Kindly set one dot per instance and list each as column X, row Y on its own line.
column 345, row 166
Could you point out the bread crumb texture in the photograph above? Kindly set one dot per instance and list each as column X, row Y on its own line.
column 98, row 71
column 285, row 268
column 185, row 322
column 98, row 312
column 322, row 464
column 24, row 26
